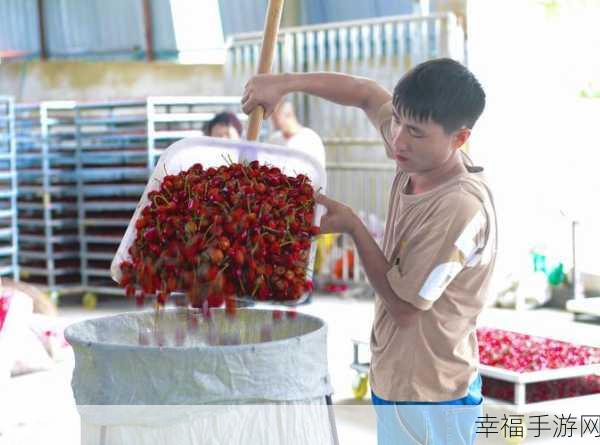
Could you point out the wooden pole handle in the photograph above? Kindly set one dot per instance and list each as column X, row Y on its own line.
column 254, row 123
column 267, row 49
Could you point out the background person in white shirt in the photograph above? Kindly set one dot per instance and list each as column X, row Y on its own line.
column 292, row 134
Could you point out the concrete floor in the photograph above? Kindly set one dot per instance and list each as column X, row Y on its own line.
column 39, row 408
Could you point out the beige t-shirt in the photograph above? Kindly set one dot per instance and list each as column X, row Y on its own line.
column 442, row 247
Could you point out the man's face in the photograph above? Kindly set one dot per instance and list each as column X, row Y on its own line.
column 419, row 147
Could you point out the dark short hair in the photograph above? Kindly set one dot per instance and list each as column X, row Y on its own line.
column 442, row 90
column 225, row 118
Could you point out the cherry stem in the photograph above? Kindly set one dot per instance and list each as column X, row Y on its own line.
column 154, row 198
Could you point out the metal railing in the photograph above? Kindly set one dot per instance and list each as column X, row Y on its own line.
column 382, row 49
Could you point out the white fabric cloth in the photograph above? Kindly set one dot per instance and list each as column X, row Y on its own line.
column 307, row 422
column 305, row 140
column 15, row 336
column 112, row 369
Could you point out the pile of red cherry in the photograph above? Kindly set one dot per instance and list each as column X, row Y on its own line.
column 242, row 229
column 4, row 303
column 526, row 353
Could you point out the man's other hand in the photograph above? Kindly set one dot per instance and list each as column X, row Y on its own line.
column 339, row 217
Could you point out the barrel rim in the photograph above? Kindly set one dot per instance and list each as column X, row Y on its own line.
column 75, row 341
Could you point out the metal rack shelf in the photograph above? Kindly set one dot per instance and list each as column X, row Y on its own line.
column 119, row 144
column 8, row 190
column 47, row 198
column 82, row 170
column 112, row 174
column 521, row 379
column 173, row 118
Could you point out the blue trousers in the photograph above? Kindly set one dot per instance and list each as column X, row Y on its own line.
column 451, row 422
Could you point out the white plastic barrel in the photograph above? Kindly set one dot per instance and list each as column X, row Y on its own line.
column 250, row 379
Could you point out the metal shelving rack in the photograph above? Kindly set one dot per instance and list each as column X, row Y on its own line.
column 173, row 118
column 82, row 170
column 8, row 190
column 112, row 174
column 47, row 196
column 118, row 146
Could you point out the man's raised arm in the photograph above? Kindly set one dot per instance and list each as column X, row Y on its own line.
column 268, row 90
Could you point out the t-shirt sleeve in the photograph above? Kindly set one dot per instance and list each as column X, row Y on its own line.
column 383, row 124
column 451, row 239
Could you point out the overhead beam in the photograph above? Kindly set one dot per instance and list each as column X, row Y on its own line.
column 42, row 30
column 148, row 30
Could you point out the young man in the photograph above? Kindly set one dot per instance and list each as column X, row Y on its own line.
column 439, row 246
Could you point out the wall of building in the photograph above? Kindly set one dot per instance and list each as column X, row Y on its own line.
column 92, row 81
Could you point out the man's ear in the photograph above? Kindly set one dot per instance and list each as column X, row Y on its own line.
column 460, row 137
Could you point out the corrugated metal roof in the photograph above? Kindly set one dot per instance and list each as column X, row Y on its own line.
column 75, row 27
column 162, row 27
column 239, row 16
column 114, row 29
column 318, row 11
column 19, row 26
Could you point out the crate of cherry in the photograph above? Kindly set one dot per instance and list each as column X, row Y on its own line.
column 220, row 220
column 527, row 369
